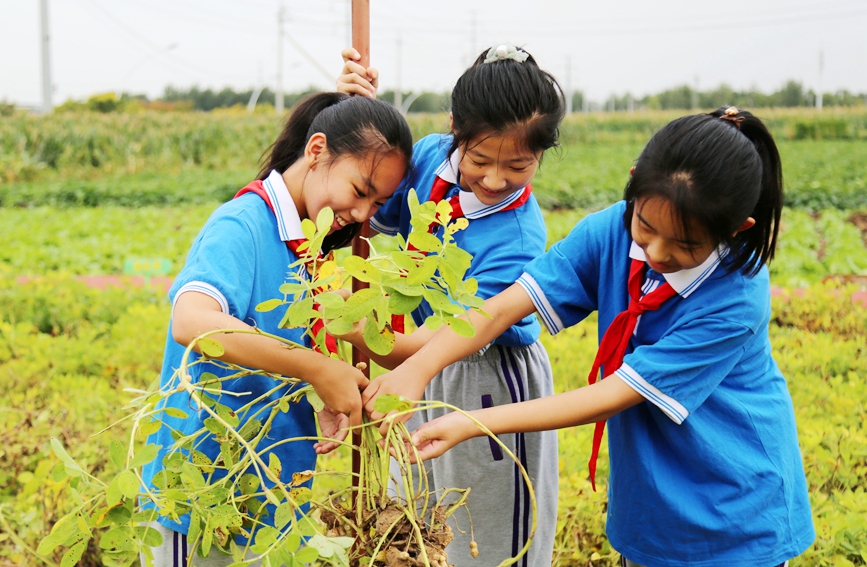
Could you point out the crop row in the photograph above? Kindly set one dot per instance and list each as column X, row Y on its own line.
column 92, row 145
column 817, row 175
column 98, row 241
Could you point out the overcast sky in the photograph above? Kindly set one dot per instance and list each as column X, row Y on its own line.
column 618, row 46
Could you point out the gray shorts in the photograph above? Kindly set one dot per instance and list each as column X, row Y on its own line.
column 624, row 562
column 499, row 501
column 175, row 551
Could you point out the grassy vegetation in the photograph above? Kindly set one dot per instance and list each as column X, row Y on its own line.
column 80, row 194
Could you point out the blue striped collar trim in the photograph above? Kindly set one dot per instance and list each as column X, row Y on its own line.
column 687, row 281
column 288, row 221
column 472, row 207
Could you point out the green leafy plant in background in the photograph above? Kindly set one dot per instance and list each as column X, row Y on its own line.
column 117, row 511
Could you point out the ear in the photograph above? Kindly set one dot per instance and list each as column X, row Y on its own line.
column 747, row 224
column 316, row 149
column 451, row 122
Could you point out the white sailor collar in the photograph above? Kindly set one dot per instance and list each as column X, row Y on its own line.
column 684, row 282
column 472, row 207
column 288, row 221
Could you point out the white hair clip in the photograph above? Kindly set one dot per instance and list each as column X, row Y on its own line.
column 506, row 51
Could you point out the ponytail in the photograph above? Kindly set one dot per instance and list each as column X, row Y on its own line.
column 762, row 238
column 353, row 126
column 716, row 170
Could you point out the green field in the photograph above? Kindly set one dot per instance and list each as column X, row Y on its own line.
column 81, row 194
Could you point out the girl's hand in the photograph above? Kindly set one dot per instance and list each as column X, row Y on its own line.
column 436, row 437
column 338, row 385
column 396, row 382
column 333, row 425
column 355, row 79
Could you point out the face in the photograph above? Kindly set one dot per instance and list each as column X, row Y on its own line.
column 495, row 167
column 353, row 188
column 658, row 232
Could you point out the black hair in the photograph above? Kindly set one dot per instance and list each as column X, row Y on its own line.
column 353, row 126
column 716, row 170
column 507, row 96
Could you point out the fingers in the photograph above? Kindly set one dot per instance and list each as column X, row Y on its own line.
column 325, row 447
column 350, row 54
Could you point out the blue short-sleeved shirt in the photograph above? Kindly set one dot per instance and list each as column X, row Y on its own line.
column 501, row 241
column 240, row 259
column 706, row 472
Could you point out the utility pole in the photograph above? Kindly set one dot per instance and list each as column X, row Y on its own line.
column 398, row 94
column 819, row 89
column 47, row 105
column 568, row 84
column 278, row 93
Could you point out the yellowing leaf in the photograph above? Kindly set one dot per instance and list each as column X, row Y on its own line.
column 211, row 348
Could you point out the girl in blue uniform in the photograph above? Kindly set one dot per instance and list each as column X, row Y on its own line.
column 505, row 112
column 705, row 465
column 345, row 153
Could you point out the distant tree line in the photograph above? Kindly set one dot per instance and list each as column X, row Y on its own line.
column 792, row 94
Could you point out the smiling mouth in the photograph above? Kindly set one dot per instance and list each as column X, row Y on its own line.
column 340, row 221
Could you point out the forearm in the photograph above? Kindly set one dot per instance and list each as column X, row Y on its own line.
column 447, row 347
column 193, row 316
column 584, row 405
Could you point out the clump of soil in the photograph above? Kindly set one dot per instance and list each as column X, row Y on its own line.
column 393, row 533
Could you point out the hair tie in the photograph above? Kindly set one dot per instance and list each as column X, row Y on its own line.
column 506, row 51
column 731, row 114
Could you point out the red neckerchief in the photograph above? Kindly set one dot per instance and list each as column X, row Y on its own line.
column 258, row 188
column 438, row 192
column 615, row 341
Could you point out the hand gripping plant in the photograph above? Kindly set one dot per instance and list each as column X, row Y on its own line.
column 240, row 503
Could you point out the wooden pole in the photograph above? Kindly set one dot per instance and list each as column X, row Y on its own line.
column 360, row 246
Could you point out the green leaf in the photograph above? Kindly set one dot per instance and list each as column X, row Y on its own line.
column 324, row 220
column 113, row 494
column 175, row 412
column 422, row 274
column 315, row 401
column 308, row 229
column 300, row 312
column 207, row 539
column 227, row 414
column 64, row 530
column 307, row 554
column 117, row 539
column 284, row 514
column 227, row 451
column 248, row 484
column 291, row 288
column 460, row 326
column 61, row 454
column 401, row 304
column 424, row 241
column 269, row 305
column 361, row 303
column 380, row 343
column 274, row 464
column 149, row 427
column 406, row 260
column 128, row 484
column 211, row 348
column 392, row 402
column 191, row 476
column 149, row 536
column 434, row 322
column 301, row 495
column 330, row 300
column 362, row 270
column 339, row 326
column 440, row 302
column 202, row 461
column 214, row 426
column 250, row 429
column 117, row 453
column 413, row 290
column 74, row 553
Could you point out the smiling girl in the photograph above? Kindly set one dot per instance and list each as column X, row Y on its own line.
column 345, row 153
column 505, row 112
column 705, row 466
